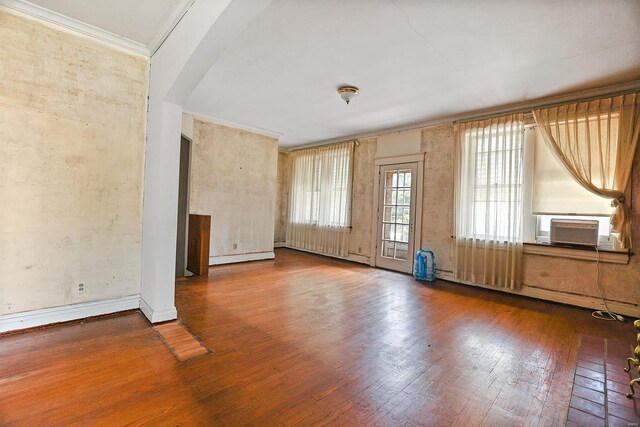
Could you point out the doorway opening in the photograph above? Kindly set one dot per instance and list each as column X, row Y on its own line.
column 183, row 208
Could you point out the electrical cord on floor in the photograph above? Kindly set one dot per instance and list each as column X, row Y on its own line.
column 606, row 314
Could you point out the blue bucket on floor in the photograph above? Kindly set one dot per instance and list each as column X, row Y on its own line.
column 424, row 266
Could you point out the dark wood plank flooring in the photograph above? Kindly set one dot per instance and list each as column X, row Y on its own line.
column 308, row 340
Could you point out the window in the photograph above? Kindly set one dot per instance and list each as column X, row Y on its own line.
column 497, row 190
column 489, row 201
column 554, row 192
column 489, row 205
column 511, row 183
column 321, row 184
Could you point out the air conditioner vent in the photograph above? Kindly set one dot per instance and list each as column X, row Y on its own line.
column 574, row 232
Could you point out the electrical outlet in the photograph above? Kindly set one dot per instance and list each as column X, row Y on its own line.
column 81, row 288
column 235, row 246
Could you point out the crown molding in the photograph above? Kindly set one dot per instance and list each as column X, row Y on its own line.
column 523, row 106
column 75, row 25
column 169, row 22
column 227, row 123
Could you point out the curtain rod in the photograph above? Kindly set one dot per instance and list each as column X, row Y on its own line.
column 535, row 106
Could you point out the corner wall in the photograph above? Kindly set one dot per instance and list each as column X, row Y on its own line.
column 282, row 200
column 233, row 178
column 72, row 139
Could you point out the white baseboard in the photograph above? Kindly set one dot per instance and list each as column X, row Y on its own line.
column 157, row 316
column 231, row 259
column 555, row 296
column 46, row 316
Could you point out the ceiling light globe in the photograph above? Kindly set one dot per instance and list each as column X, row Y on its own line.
column 348, row 93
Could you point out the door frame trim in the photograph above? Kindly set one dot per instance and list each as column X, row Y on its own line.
column 417, row 235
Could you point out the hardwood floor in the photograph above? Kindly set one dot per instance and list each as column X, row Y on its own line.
column 308, row 340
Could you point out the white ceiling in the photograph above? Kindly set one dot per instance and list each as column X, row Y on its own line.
column 135, row 20
column 412, row 60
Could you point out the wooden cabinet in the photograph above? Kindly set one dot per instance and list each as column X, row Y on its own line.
column 198, row 249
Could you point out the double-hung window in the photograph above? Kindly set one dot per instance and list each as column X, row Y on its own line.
column 489, row 197
column 320, row 199
column 489, row 201
column 497, row 189
column 320, row 187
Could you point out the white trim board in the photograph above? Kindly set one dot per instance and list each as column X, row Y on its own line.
column 169, row 22
column 75, row 25
column 232, row 259
column 47, row 316
column 577, row 300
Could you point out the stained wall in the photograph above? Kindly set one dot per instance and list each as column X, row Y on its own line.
column 72, row 140
column 233, row 178
column 282, row 199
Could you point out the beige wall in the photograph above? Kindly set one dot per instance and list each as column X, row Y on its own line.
column 282, row 199
column 362, row 200
column 72, row 138
column 567, row 276
column 437, row 206
column 233, row 178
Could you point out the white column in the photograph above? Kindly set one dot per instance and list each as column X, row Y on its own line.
column 202, row 35
column 160, row 212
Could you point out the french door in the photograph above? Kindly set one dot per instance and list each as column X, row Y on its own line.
column 396, row 216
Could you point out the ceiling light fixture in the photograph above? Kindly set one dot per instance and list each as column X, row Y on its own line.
column 347, row 93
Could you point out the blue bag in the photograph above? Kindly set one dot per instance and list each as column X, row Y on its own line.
column 424, row 266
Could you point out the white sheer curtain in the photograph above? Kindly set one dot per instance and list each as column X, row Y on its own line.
column 596, row 141
column 320, row 199
column 489, row 205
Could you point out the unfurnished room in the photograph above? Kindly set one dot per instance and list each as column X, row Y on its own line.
column 319, row 212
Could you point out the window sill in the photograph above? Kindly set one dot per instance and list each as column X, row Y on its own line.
column 587, row 254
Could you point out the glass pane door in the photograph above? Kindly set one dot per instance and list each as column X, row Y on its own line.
column 396, row 206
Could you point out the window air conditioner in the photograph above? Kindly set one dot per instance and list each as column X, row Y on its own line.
column 574, row 232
